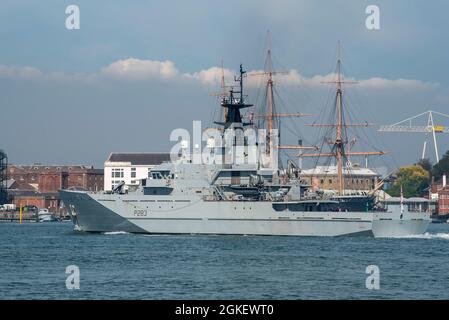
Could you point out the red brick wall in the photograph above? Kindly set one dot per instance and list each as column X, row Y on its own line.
column 76, row 180
column 95, row 182
column 53, row 178
column 443, row 201
column 37, row 201
column 50, row 182
column 51, row 203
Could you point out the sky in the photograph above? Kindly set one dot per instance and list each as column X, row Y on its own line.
column 136, row 70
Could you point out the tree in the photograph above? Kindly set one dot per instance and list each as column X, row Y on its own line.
column 425, row 164
column 413, row 179
column 441, row 167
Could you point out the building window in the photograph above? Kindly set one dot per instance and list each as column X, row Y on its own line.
column 133, row 172
column 117, row 173
column 115, row 183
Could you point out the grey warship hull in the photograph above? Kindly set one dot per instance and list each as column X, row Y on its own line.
column 96, row 212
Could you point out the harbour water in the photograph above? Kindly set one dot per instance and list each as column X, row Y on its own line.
column 34, row 257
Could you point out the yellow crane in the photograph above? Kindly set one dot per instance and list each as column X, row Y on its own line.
column 410, row 125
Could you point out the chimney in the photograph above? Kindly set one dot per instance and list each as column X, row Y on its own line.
column 444, row 180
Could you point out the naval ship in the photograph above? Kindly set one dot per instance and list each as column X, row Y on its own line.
column 237, row 197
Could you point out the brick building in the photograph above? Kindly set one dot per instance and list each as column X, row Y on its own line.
column 50, row 201
column 38, row 185
column 47, row 179
column 440, row 192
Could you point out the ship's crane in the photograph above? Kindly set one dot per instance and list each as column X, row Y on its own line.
column 409, row 125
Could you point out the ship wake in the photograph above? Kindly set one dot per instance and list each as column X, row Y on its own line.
column 115, row 233
column 427, row 235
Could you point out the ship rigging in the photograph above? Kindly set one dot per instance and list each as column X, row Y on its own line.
column 340, row 147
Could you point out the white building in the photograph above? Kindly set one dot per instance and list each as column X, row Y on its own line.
column 130, row 167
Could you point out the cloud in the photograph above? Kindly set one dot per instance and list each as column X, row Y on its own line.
column 398, row 83
column 136, row 69
column 212, row 76
column 294, row 78
column 13, row 72
column 34, row 74
column 133, row 69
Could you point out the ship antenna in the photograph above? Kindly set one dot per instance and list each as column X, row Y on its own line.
column 242, row 73
column 223, row 90
column 232, row 114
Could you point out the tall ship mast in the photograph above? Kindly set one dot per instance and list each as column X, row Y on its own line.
column 269, row 117
column 340, row 146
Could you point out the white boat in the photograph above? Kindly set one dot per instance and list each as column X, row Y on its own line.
column 45, row 216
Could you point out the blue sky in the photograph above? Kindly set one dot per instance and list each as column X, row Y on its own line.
column 138, row 69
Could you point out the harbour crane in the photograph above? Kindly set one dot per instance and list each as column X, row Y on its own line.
column 409, row 125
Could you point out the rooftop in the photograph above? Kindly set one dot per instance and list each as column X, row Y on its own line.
column 332, row 170
column 37, row 167
column 139, row 158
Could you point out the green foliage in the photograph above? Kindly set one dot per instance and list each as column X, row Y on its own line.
column 425, row 164
column 441, row 167
column 414, row 179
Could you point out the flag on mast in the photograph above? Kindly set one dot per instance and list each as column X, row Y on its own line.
column 402, row 201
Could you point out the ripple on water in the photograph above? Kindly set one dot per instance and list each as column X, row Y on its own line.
column 34, row 257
